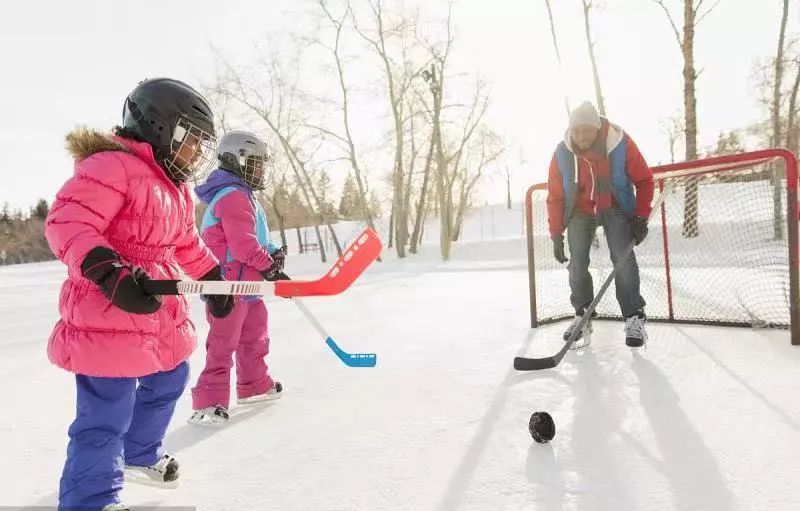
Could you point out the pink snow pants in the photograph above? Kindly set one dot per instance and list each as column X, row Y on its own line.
column 243, row 331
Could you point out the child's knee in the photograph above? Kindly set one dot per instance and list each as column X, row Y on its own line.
column 179, row 378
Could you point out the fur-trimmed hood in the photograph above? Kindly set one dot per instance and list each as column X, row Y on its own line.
column 84, row 142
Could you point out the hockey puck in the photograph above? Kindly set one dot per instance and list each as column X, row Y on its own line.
column 542, row 427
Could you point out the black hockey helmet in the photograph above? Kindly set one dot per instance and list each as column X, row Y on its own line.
column 177, row 121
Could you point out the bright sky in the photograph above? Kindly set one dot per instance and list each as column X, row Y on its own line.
column 68, row 63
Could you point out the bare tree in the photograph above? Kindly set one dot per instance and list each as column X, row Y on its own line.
column 791, row 129
column 391, row 225
column 449, row 163
column 437, row 87
column 412, row 134
column 508, row 186
column 398, row 79
column 458, row 161
column 422, row 203
column 692, row 17
column 435, row 79
column 483, row 151
column 587, row 7
column 281, row 114
column 449, row 159
column 776, row 125
column 775, row 111
column 558, row 53
column 276, row 198
column 335, row 50
column 520, row 164
column 673, row 127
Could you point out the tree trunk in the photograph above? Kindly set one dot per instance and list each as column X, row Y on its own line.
column 601, row 106
column 411, row 166
column 776, row 91
column 280, row 217
column 417, row 233
column 396, row 93
column 791, row 135
column 672, row 149
column 362, row 190
column 462, row 206
column 320, row 213
column 299, row 240
column 319, row 208
column 777, row 190
column 400, row 216
column 442, row 188
column 319, row 238
column 295, row 163
column 391, row 226
column 508, row 188
column 457, row 228
column 690, row 227
column 558, row 53
column 282, row 228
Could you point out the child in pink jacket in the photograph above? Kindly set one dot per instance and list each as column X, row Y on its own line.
column 126, row 216
column 235, row 229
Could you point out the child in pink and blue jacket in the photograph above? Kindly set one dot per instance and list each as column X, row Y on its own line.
column 235, row 229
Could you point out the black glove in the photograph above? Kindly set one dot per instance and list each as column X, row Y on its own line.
column 558, row 249
column 278, row 275
column 218, row 305
column 120, row 283
column 278, row 261
column 639, row 229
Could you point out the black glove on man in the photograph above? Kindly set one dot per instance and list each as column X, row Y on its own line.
column 639, row 228
column 558, row 249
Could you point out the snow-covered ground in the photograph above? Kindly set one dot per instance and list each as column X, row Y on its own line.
column 704, row 418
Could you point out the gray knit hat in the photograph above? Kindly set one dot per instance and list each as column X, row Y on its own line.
column 585, row 114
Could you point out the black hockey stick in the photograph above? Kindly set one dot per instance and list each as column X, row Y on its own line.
column 536, row 364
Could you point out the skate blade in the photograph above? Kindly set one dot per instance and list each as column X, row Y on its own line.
column 255, row 400
column 207, row 421
column 139, row 476
column 637, row 348
column 583, row 341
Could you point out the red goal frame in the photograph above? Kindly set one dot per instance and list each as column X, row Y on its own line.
column 727, row 162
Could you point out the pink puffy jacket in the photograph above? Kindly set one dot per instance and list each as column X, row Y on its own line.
column 120, row 198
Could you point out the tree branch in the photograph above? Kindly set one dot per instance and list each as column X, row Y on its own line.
column 671, row 21
column 699, row 18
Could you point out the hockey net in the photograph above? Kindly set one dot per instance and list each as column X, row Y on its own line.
column 721, row 249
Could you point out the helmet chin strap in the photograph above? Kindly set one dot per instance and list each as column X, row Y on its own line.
column 150, row 135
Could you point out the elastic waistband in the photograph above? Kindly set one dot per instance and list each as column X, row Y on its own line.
column 144, row 252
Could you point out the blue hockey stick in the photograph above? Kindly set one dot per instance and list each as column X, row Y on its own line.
column 349, row 359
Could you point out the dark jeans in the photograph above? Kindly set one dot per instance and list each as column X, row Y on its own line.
column 580, row 232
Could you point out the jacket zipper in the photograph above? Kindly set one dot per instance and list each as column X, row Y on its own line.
column 591, row 193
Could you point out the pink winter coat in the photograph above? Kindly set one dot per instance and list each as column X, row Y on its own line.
column 120, row 198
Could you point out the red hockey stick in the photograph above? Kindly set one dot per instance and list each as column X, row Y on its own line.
column 358, row 256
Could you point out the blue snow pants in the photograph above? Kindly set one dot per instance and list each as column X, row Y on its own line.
column 119, row 421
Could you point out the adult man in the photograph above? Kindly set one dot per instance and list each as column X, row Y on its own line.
column 599, row 177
